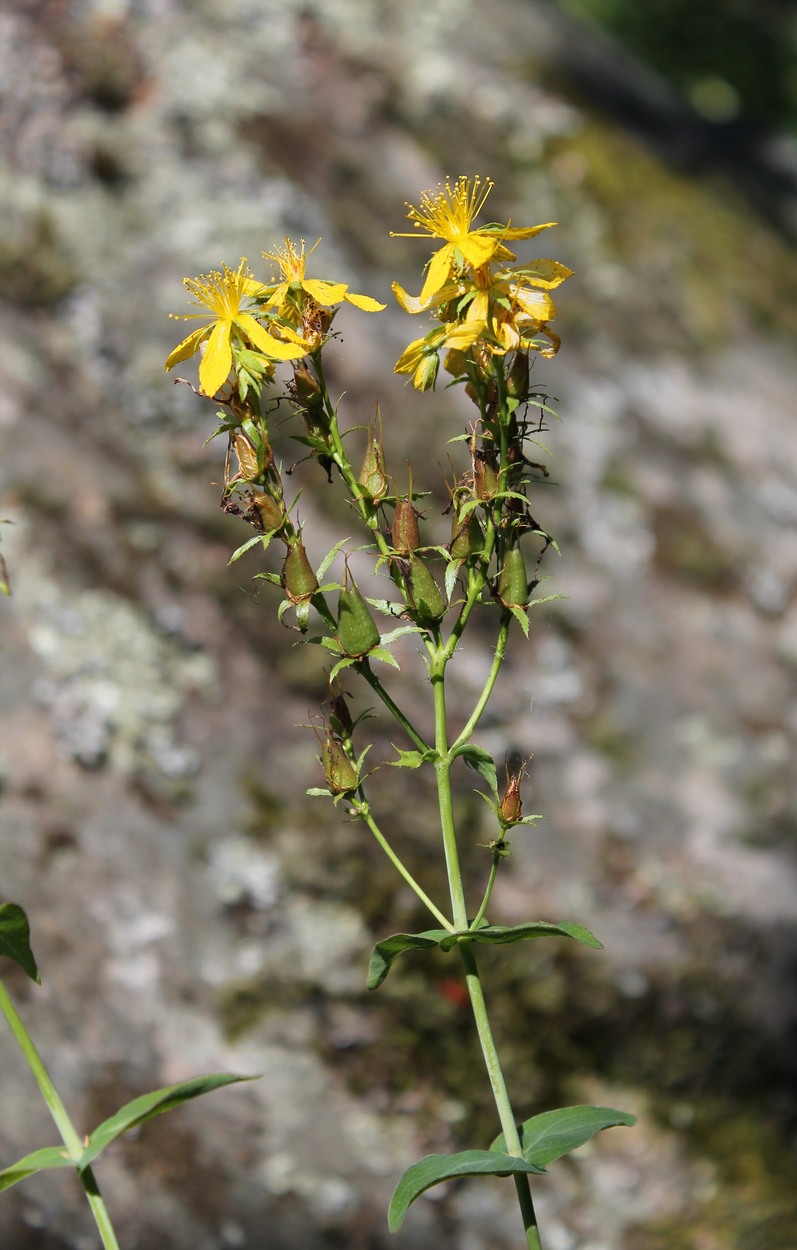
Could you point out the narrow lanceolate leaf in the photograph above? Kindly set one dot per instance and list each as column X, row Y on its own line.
column 149, row 1105
column 39, row 1161
column 434, row 1169
column 15, row 939
column 385, row 952
column 548, row 1136
column 497, row 934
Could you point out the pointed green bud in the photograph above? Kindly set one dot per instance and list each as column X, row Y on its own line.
column 357, row 631
column 427, row 598
column 513, row 585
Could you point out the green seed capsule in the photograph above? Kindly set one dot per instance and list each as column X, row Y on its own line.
column 513, row 585
column 425, row 593
column 405, row 534
column 373, row 476
column 485, row 475
column 357, row 631
column 340, row 773
column 467, row 538
column 269, row 512
column 298, row 578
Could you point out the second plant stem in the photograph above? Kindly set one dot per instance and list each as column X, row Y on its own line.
column 58, row 1111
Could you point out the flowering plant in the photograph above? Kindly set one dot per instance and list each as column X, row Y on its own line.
column 490, row 316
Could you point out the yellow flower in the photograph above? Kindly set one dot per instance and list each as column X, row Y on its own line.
column 286, row 295
column 448, row 213
column 227, row 296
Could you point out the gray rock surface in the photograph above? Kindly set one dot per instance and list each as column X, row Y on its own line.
column 191, row 911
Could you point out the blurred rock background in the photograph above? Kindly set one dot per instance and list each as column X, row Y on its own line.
column 191, row 910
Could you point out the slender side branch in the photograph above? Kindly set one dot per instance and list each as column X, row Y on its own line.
column 364, row 812
column 58, row 1111
column 495, row 668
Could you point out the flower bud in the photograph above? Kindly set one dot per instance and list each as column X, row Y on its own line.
column 485, row 475
column 510, row 808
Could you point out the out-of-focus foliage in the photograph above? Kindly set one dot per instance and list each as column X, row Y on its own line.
column 726, row 56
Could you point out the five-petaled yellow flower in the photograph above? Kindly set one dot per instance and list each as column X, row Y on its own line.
column 286, row 295
column 228, row 297
column 448, row 213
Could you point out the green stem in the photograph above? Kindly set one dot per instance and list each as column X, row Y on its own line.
column 66, row 1128
column 444, row 796
column 364, row 812
column 498, row 659
column 500, row 1093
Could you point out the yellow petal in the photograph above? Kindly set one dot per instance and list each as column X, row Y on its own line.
column 463, row 336
column 187, row 348
column 365, row 302
column 437, row 274
column 325, row 293
column 265, row 342
column 410, row 358
column 216, row 363
column 478, row 248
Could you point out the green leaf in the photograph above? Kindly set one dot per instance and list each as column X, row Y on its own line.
column 15, row 939
column 412, row 759
column 251, row 542
column 149, row 1105
column 434, row 1169
column 521, row 618
column 328, row 558
column 386, row 951
column 39, row 1161
column 500, row 935
column 480, row 760
column 547, row 1137
column 382, row 653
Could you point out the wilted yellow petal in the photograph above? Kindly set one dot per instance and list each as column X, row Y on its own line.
column 545, row 273
column 536, row 304
column 524, row 232
column 410, row 358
